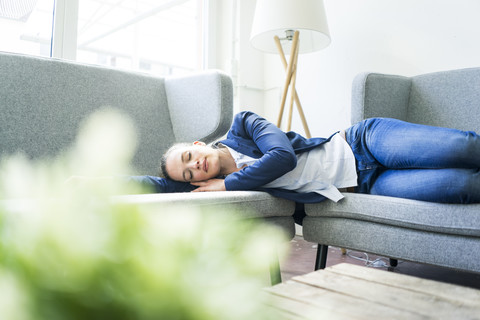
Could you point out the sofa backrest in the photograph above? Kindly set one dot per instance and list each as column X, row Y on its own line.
column 379, row 95
column 447, row 98
column 43, row 101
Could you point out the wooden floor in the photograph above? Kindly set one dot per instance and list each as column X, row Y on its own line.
column 301, row 260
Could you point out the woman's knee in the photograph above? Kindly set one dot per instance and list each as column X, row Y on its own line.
column 468, row 187
column 434, row 185
column 459, row 186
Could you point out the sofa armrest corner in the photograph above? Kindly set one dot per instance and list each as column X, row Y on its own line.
column 200, row 105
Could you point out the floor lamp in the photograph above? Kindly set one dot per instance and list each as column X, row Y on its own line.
column 299, row 26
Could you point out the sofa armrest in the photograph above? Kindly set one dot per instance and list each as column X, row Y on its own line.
column 203, row 102
column 380, row 95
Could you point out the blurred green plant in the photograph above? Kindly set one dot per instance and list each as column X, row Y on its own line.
column 72, row 252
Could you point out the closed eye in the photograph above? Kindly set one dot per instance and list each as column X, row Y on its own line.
column 187, row 175
column 186, row 156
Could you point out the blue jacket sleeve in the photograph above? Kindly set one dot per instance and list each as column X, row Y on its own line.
column 278, row 156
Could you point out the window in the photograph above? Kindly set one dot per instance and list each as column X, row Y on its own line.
column 26, row 26
column 159, row 36
column 163, row 37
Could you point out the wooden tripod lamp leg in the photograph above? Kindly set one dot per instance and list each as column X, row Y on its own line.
column 294, row 91
column 288, row 78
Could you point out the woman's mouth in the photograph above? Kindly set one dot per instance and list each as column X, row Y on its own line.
column 205, row 165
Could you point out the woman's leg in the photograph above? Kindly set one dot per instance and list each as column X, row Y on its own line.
column 435, row 185
column 397, row 144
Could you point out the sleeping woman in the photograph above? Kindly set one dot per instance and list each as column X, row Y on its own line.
column 378, row 156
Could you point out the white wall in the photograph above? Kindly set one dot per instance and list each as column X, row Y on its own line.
column 405, row 37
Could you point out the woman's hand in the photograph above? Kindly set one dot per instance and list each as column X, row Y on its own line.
column 209, row 185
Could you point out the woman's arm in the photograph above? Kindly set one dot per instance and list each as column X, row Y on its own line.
column 209, row 185
column 278, row 156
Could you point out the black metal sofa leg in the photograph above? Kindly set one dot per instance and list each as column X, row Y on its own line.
column 321, row 260
column 393, row 262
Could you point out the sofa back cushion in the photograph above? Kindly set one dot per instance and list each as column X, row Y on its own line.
column 447, row 99
column 43, row 102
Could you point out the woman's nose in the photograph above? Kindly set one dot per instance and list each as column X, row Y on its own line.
column 194, row 164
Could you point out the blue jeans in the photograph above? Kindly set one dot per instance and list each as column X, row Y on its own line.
column 406, row 160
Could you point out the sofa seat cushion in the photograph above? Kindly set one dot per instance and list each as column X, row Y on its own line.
column 454, row 219
column 249, row 204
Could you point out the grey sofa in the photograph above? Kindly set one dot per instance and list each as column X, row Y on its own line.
column 439, row 234
column 43, row 101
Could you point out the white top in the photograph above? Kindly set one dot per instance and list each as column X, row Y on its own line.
column 322, row 169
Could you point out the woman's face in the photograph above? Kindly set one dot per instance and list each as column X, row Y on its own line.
column 193, row 163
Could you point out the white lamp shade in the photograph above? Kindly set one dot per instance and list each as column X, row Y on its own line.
column 274, row 17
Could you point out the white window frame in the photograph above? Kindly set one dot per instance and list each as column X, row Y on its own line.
column 210, row 24
column 65, row 28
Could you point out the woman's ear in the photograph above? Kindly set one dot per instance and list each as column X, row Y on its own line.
column 199, row 143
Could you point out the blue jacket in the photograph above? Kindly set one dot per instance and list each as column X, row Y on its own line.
column 258, row 138
column 275, row 150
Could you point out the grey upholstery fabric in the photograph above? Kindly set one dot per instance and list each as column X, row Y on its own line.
column 379, row 95
column 451, row 219
column 250, row 204
column 247, row 205
column 440, row 234
column 43, row 102
column 191, row 124
column 446, row 250
column 447, row 99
